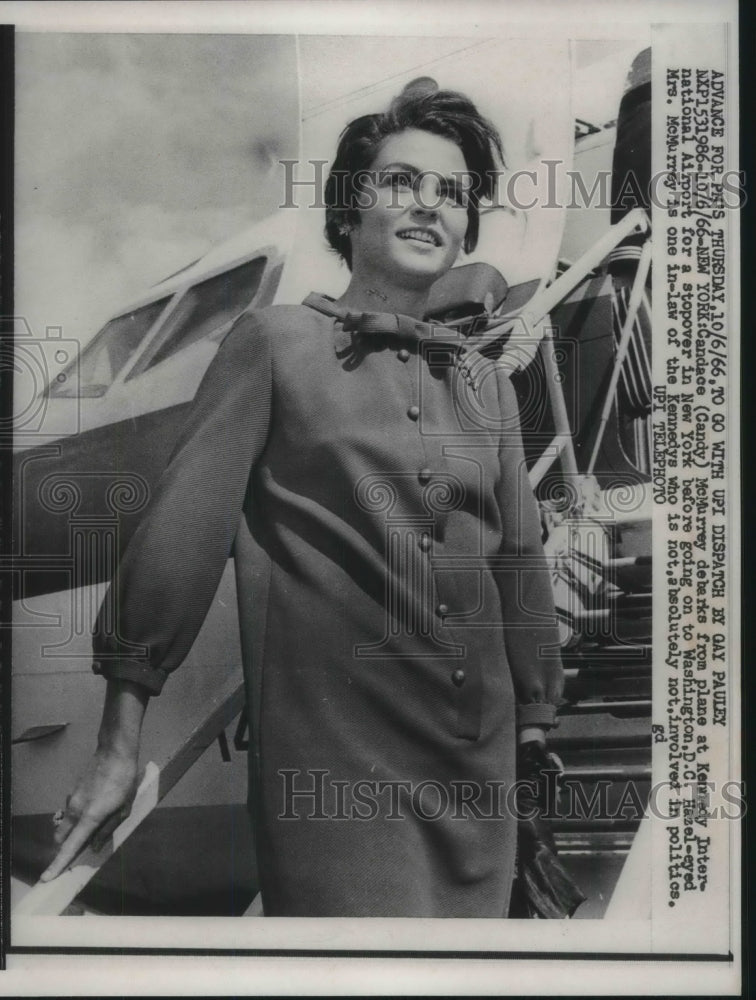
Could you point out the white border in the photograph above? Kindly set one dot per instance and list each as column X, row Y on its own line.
column 108, row 975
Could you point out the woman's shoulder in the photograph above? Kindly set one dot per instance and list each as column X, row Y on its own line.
column 274, row 334
column 281, row 320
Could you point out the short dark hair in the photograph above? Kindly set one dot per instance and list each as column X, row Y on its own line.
column 421, row 105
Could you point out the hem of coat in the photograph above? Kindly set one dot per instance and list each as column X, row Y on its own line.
column 537, row 713
column 147, row 677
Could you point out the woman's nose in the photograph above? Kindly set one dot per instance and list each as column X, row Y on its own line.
column 426, row 194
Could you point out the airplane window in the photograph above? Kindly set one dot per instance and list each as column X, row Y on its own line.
column 207, row 307
column 111, row 348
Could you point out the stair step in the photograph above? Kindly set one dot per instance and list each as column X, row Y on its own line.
column 636, row 654
column 607, row 670
column 621, row 708
column 641, row 598
column 627, row 772
column 628, row 611
column 623, row 562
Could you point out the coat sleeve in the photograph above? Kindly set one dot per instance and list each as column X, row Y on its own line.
column 171, row 569
column 529, row 617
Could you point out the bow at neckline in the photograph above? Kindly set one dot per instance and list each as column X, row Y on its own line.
column 382, row 324
column 464, row 352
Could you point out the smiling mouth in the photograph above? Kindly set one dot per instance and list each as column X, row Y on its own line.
column 421, row 235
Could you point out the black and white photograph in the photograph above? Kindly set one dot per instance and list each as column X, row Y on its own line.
column 373, row 535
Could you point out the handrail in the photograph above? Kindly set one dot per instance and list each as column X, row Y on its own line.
column 636, row 296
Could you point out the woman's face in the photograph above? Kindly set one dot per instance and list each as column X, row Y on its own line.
column 414, row 217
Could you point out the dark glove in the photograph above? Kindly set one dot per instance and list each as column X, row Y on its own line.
column 542, row 887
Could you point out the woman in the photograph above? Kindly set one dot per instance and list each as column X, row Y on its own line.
column 396, row 615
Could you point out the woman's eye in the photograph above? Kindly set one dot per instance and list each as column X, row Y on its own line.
column 455, row 194
column 398, row 179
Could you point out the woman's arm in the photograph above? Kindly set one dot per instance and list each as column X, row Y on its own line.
column 530, row 627
column 170, row 572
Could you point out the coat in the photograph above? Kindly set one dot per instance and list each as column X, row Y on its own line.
column 397, row 625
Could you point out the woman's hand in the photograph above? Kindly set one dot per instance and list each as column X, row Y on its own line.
column 105, row 792
column 543, row 887
column 532, row 734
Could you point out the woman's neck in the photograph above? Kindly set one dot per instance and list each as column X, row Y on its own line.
column 372, row 296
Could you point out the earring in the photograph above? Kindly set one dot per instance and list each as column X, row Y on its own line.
column 345, row 229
